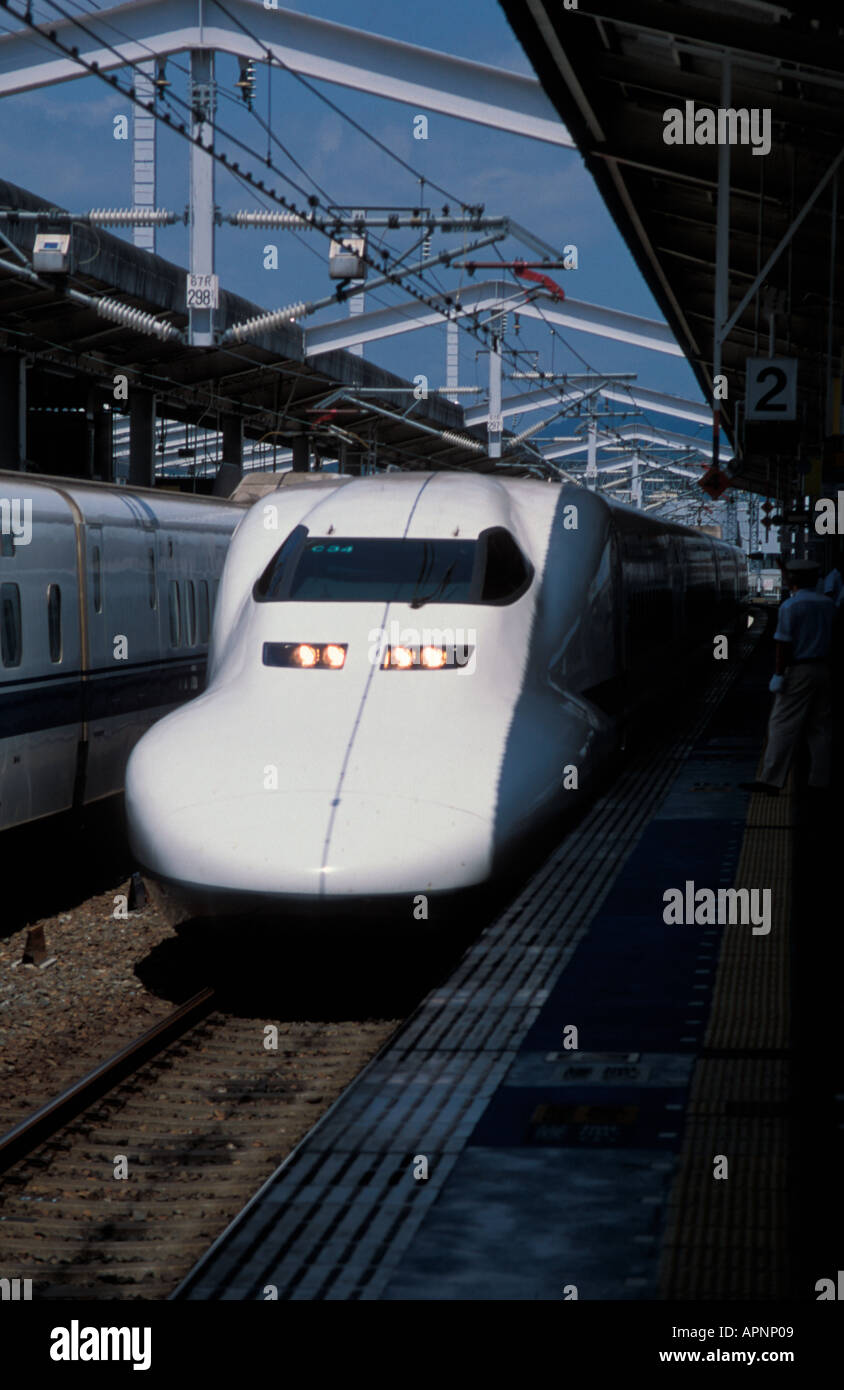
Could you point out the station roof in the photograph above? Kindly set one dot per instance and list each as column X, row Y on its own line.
column 613, row 69
column 259, row 380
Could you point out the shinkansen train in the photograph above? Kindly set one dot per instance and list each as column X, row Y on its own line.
column 408, row 673
column 106, row 600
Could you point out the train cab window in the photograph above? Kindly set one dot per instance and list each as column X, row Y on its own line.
column 54, row 621
column 190, row 613
column 11, row 637
column 506, row 574
column 175, row 615
column 152, row 590
column 204, row 611
column 97, row 578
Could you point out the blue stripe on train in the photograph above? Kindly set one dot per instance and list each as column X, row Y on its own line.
column 29, row 707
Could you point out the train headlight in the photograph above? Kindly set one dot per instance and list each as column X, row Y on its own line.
column 305, row 655
column 433, row 657
column 402, row 657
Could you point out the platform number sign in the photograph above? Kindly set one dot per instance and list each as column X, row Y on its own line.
column 203, row 291
column 771, row 388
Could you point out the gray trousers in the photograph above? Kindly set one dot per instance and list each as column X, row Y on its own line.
column 804, row 703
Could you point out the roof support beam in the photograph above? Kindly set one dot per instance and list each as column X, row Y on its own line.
column 315, row 48
column 633, row 397
column 490, row 294
column 782, row 243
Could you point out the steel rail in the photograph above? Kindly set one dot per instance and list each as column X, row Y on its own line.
column 20, row 1141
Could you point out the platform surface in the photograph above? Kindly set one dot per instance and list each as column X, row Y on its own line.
column 556, row 1172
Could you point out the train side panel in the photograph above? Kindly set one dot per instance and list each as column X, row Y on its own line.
column 105, row 616
column 40, row 659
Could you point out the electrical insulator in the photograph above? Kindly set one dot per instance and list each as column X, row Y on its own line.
column 246, row 82
column 426, row 247
column 136, row 319
column 160, row 80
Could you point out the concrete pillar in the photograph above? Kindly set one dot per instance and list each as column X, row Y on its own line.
column 141, row 437
column 12, row 410
column 99, row 436
column 104, row 444
column 301, row 453
column 232, row 432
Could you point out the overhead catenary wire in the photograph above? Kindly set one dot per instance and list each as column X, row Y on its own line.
column 234, row 168
column 321, row 96
column 326, row 227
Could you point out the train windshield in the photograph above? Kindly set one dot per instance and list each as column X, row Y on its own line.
column 360, row 569
column 350, row 569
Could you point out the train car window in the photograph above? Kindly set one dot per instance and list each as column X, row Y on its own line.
column 97, row 577
column 54, row 621
column 355, row 569
column 204, row 610
column 506, row 574
column 190, row 613
column 7, row 545
column 175, row 615
column 11, row 636
column 152, row 582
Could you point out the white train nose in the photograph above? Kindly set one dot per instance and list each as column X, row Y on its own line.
column 394, row 844
column 278, row 843
column 266, row 843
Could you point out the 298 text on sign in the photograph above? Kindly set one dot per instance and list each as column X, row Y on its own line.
column 203, row 291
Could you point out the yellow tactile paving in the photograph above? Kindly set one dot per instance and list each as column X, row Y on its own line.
column 727, row 1237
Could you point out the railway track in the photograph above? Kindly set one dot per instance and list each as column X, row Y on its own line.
column 119, row 1185
column 114, row 1188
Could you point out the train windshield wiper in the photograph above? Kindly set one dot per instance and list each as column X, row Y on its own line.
column 435, row 593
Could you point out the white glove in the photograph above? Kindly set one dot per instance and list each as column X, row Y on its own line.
column 776, row 683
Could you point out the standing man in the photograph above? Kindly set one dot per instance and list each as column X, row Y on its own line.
column 801, row 682
column 834, row 581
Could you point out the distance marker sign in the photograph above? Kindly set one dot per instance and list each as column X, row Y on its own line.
column 771, row 388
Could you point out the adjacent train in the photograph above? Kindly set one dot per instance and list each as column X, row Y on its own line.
column 106, row 601
column 408, row 673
